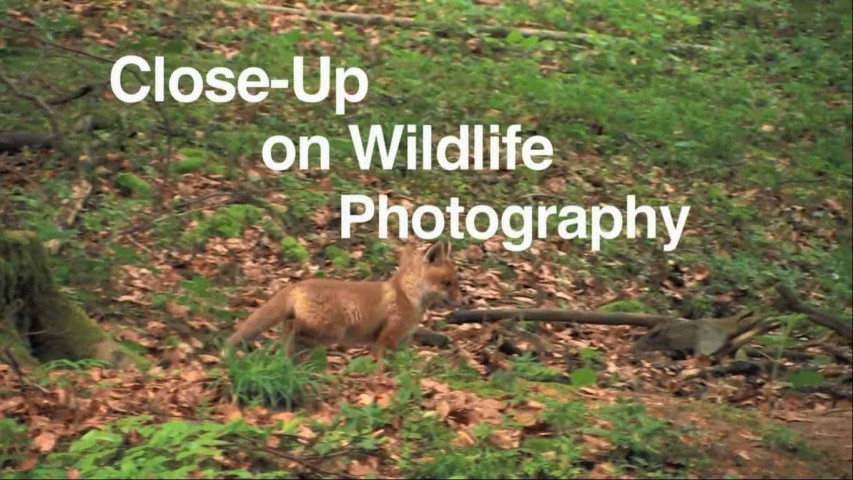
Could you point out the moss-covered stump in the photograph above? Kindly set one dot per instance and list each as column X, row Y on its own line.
column 37, row 321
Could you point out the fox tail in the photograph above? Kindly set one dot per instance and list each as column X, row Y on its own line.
column 278, row 309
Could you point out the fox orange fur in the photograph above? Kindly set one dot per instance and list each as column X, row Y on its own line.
column 379, row 314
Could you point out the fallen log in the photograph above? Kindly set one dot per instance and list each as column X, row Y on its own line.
column 708, row 336
column 430, row 338
column 558, row 316
column 14, row 141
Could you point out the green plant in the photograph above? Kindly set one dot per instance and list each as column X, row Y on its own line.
column 227, row 221
column 363, row 364
column 132, row 185
column 339, row 257
column 630, row 306
column 14, row 442
column 291, row 249
column 135, row 448
column 641, row 441
column 564, row 416
column 779, row 437
column 527, row 366
column 273, row 379
column 200, row 296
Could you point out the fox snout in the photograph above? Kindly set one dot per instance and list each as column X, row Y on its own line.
column 455, row 297
column 452, row 297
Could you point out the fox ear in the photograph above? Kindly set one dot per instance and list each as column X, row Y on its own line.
column 438, row 252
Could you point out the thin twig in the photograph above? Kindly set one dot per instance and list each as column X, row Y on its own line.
column 167, row 125
column 9, row 359
column 49, row 113
column 301, row 461
column 79, row 93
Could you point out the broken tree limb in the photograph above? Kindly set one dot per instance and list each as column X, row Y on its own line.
column 79, row 93
column 56, row 132
column 157, row 106
column 736, row 367
column 406, row 22
column 430, row 338
column 706, row 336
column 14, row 142
column 558, row 316
column 790, row 301
column 743, row 337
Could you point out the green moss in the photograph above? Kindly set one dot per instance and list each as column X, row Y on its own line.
column 131, row 185
column 631, row 306
column 228, row 221
column 291, row 249
column 338, row 256
column 188, row 165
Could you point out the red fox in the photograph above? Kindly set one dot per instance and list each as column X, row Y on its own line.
column 378, row 314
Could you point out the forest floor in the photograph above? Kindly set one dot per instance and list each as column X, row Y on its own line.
column 181, row 231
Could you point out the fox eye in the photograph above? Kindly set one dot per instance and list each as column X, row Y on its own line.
column 447, row 283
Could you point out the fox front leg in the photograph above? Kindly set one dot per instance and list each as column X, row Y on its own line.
column 378, row 352
column 390, row 338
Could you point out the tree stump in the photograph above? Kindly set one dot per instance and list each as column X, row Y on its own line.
column 38, row 322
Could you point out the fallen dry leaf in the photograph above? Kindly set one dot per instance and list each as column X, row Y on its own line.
column 463, row 439
column 45, row 441
column 442, row 409
column 506, row 439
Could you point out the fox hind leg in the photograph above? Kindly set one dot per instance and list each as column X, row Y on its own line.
column 288, row 337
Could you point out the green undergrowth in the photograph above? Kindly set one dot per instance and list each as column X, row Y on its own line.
column 269, row 378
column 137, row 447
column 567, row 436
column 140, row 447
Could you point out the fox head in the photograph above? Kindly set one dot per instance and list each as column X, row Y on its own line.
column 432, row 275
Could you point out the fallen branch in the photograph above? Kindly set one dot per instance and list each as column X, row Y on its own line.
column 406, row 22
column 742, row 338
column 790, row 301
column 157, row 106
column 789, row 354
column 79, row 93
column 558, row 316
column 296, row 459
column 429, row 338
column 8, row 358
column 737, row 367
column 836, row 391
column 56, row 132
column 15, row 141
